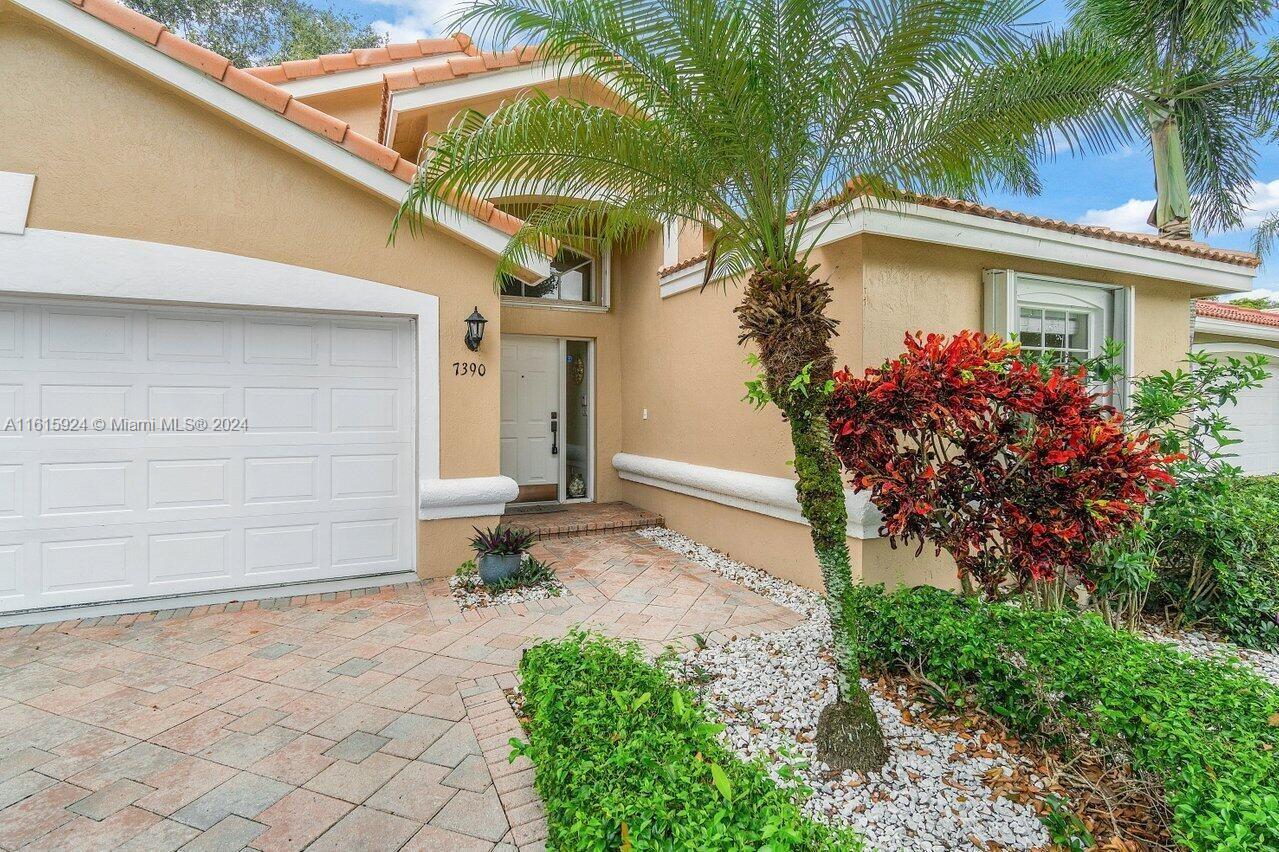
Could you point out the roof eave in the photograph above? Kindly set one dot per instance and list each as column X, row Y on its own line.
column 143, row 57
column 925, row 223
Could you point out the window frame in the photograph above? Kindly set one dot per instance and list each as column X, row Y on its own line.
column 1004, row 291
column 602, row 282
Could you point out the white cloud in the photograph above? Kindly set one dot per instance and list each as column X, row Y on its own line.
column 409, row 20
column 1264, row 201
column 1131, row 215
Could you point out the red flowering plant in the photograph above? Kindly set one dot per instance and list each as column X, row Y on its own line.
column 1015, row 469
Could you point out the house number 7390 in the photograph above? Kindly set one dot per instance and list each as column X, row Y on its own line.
column 467, row 368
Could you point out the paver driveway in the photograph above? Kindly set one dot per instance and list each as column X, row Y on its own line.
column 343, row 722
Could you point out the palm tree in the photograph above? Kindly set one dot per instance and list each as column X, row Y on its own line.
column 1203, row 90
column 743, row 115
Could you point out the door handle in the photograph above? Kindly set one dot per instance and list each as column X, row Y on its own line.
column 555, row 433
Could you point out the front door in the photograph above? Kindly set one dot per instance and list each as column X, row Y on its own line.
column 530, row 415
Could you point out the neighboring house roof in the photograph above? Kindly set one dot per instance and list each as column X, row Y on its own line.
column 1235, row 313
column 333, row 63
column 1191, row 249
column 276, row 99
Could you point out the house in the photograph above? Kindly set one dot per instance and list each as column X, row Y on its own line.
column 1232, row 331
column 218, row 378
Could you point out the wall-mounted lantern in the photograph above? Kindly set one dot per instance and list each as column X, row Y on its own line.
column 475, row 329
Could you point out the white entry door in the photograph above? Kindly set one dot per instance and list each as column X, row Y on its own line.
column 530, row 407
column 153, row 451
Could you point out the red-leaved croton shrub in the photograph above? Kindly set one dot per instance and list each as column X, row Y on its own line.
column 1016, row 472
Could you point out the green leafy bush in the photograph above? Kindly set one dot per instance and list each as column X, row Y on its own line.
column 1216, row 547
column 1206, row 728
column 626, row 759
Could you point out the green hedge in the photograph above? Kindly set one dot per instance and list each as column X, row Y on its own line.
column 1203, row 727
column 1225, row 531
column 624, row 755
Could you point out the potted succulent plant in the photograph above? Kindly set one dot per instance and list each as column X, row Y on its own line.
column 500, row 551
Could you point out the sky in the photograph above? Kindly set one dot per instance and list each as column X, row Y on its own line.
column 1115, row 190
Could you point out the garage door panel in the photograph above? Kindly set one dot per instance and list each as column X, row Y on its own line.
column 90, row 564
column 86, row 334
column 1256, row 417
column 319, row 486
column 187, row 338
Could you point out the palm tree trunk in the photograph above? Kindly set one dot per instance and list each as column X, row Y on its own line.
column 783, row 313
column 848, row 733
column 1172, row 194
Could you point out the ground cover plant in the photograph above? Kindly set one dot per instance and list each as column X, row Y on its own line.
column 625, row 759
column 1206, row 729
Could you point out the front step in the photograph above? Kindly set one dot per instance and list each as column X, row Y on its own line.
column 585, row 519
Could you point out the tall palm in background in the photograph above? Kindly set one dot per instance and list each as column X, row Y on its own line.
column 743, row 115
column 1205, row 91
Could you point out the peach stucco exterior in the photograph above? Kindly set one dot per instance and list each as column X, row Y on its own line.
column 124, row 155
column 692, row 378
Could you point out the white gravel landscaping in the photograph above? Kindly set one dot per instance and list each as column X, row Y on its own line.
column 470, row 592
column 935, row 791
column 1202, row 645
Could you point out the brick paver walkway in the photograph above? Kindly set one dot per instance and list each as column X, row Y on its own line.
column 336, row 722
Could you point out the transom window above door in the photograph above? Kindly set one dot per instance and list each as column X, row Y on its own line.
column 574, row 279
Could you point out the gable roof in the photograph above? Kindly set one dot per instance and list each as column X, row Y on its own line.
column 449, row 69
column 333, row 63
column 1235, row 313
column 1182, row 247
column 342, row 140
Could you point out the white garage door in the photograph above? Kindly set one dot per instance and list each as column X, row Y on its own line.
column 1257, row 419
column 209, row 449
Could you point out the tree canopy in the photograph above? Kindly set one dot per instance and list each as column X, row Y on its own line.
column 261, row 32
column 1197, row 77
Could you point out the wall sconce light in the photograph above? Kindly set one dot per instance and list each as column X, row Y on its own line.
column 475, row 329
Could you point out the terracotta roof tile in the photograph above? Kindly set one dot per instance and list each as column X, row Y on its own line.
column 1191, row 249
column 316, row 121
column 122, row 17
column 366, row 149
column 334, row 62
column 257, row 88
column 463, row 65
column 199, row 58
column 367, row 57
column 1235, row 313
column 272, row 97
column 299, row 68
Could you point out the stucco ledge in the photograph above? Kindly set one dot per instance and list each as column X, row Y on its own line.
column 467, row 497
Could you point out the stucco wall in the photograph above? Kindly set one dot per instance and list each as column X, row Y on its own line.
column 683, row 365
column 123, row 156
column 691, row 379
column 361, row 108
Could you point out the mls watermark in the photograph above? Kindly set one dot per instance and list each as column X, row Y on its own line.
column 57, row 425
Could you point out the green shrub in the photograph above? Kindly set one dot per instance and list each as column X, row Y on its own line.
column 624, row 756
column 1205, row 728
column 1216, row 547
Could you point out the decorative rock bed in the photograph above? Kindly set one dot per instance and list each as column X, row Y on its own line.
column 1205, row 646
column 470, row 592
column 945, row 786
